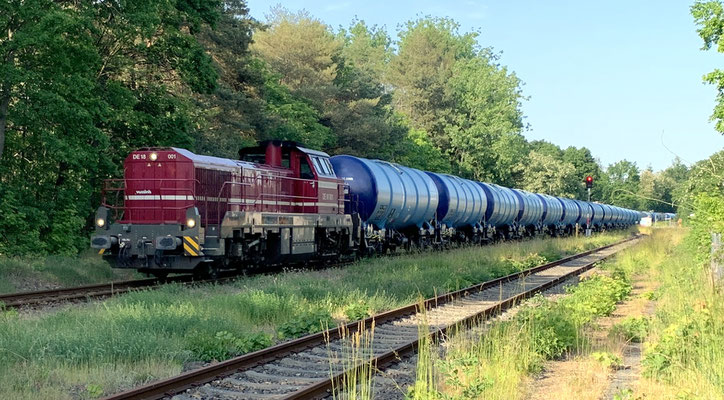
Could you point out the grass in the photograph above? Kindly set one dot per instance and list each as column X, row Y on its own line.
column 103, row 347
column 37, row 273
column 497, row 364
column 684, row 350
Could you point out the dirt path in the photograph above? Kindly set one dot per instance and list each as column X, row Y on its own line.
column 579, row 376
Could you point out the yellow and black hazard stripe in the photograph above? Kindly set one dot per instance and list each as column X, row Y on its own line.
column 191, row 246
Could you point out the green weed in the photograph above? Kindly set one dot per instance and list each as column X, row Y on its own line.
column 357, row 311
column 633, row 329
column 306, row 323
column 608, row 360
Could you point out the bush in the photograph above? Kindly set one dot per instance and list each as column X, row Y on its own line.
column 608, row 360
column 631, row 329
column 529, row 261
column 357, row 311
column 309, row 322
column 224, row 345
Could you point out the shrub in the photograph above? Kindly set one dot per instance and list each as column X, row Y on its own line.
column 224, row 344
column 529, row 261
column 631, row 329
column 306, row 323
column 609, row 360
column 357, row 311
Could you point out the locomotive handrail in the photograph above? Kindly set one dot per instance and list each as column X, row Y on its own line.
column 262, row 196
column 271, row 194
column 124, row 208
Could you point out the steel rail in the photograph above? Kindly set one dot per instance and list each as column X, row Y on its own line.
column 177, row 384
column 39, row 297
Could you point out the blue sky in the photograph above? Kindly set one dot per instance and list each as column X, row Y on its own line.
column 622, row 78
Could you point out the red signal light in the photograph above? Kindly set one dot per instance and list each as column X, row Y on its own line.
column 589, row 181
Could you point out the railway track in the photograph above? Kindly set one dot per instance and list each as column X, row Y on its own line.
column 311, row 366
column 82, row 293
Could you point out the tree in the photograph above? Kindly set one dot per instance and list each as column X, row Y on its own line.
column 542, row 173
column 235, row 113
column 647, row 184
column 585, row 165
column 486, row 116
column 82, row 83
column 709, row 17
column 428, row 49
column 620, row 184
column 361, row 113
column 303, row 51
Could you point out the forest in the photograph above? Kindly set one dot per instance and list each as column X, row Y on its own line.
column 83, row 83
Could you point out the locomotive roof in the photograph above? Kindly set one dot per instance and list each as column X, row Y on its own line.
column 284, row 144
column 210, row 160
column 205, row 160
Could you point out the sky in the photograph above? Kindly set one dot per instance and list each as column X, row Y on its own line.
column 621, row 77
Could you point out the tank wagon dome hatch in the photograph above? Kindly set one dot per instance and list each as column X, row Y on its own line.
column 387, row 195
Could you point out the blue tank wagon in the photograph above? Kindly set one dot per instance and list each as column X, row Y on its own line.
column 393, row 202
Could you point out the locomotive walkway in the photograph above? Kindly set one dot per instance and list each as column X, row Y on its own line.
column 312, row 366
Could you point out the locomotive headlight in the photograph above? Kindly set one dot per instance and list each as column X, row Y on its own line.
column 101, row 222
column 154, row 156
column 191, row 222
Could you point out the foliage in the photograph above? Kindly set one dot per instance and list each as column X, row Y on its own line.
column 631, row 329
column 303, row 51
column 525, row 262
column 306, row 323
column 686, row 335
column 225, row 344
column 542, row 173
column 82, row 83
column 357, row 311
column 709, row 17
column 557, row 325
column 608, row 360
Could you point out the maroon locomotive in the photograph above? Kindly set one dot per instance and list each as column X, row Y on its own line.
column 176, row 211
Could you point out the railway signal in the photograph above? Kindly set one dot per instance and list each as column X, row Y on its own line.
column 589, row 182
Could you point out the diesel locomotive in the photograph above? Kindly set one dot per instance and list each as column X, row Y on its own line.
column 176, row 211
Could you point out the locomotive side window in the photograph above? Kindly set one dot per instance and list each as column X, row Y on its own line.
column 286, row 155
column 305, row 171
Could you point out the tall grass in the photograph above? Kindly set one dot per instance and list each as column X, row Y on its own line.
column 63, row 352
column 684, row 355
column 355, row 363
column 495, row 364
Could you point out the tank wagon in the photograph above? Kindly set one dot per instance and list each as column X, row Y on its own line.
column 176, row 211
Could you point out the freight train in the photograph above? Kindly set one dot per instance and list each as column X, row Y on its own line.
column 177, row 212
